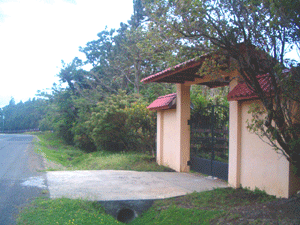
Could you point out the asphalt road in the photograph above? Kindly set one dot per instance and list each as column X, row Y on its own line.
column 20, row 178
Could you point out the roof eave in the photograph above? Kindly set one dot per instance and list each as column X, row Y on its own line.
column 174, row 70
column 158, row 108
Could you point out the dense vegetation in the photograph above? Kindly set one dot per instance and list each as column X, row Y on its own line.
column 22, row 116
column 104, row 106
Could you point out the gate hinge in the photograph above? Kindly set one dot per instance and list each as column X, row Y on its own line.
column 189, row 163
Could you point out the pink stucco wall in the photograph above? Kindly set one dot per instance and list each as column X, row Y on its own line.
column 173, row 133
column 252, row 162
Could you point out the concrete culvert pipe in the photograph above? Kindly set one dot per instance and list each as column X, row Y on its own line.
column 126, row 210
column 126, row 215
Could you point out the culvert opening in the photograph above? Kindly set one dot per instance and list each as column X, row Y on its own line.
column 126, row 215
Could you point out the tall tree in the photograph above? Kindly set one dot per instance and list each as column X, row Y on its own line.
column 138, row 13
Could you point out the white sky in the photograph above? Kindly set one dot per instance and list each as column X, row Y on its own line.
column 35, row 35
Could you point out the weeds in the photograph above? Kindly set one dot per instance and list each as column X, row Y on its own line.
column 72, row 158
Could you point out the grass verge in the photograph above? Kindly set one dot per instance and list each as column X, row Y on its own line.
column 220, row 206
column 72, row 158
column 196, row 208
column 64, row 211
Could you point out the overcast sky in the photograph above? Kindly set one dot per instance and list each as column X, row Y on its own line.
column 35, row 35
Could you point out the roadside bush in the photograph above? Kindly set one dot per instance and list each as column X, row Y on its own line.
column 46, row 123
column 122, row 123
column 142, row 123
column 82, row 136
column 107, row 124
column 82, row 139
column 64, row 130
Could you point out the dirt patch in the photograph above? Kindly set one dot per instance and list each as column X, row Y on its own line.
column 279, row 211
column 35, row 161
column 241, row 206
column 49, row 165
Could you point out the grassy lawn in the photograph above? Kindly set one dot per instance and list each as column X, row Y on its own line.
column 220, row 206
column 211, row 207
column 71, row 158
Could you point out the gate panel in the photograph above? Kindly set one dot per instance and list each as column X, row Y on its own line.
column 209, row 141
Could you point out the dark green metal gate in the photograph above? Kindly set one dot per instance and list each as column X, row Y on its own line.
column 209, row 141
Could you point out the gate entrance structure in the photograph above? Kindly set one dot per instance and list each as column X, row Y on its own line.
column 252, row 162
column 209, row 141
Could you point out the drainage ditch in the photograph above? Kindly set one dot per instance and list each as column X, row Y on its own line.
column 127, row 210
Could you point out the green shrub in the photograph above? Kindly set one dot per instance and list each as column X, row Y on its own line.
column 142, row 124
column 82, row 139
column 82, row 136
column 107, row 124
column 122, row 123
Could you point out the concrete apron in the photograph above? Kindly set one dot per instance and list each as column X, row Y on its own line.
column 126, row 194
column 108, row 185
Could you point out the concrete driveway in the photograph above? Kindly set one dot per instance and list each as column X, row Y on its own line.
column 112, row 185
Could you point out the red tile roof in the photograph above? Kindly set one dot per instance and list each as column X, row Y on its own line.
column 188, row 71
column 243, row 92
column 185, row 71
column 163, row 102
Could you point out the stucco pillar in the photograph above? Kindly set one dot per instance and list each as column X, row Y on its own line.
column 234, row 144
column 183, row 129
column 159, row 137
